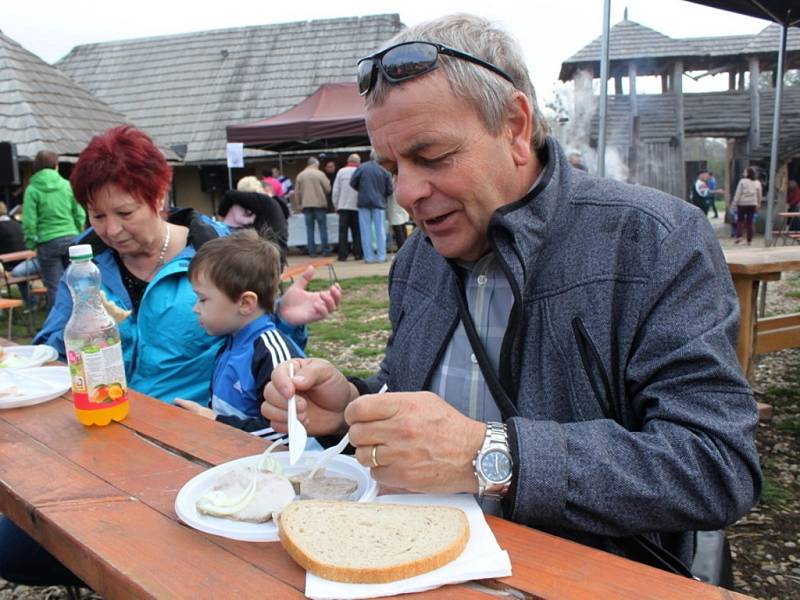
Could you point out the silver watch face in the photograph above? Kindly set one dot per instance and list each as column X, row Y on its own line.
column 495, row 466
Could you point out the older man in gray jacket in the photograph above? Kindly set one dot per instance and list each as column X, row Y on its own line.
column 561, row 343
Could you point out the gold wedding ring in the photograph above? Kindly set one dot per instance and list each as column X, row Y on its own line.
column 375, row 457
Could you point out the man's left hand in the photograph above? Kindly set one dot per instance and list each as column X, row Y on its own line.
column 422, row 443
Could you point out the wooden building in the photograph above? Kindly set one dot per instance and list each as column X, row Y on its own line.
column 185, row 89
column 649, row 131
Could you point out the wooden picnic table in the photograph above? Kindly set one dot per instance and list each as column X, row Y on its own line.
column 101, row 500
column 749, row 267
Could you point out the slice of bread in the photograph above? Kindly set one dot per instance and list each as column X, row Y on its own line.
column 371, row 543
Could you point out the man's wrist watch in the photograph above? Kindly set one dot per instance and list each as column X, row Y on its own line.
column 493, row 463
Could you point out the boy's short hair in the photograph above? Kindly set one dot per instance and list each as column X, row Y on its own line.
column 238, row 263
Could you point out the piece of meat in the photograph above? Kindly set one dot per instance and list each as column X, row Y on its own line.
column 272, row 493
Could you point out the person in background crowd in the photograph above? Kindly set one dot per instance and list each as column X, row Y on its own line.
column 711, row 182
column 288, row 190
column 586, row 385
column 374, row 185
column 50, row 219
column 793, row 204
column 345, row 200
column 268, row 180
column 241, row 210
column 13, row 240
column 330, row 173
column 746, row 201
column 700, row 192
column 252, row 184
column 312, row 192
column 397, row 217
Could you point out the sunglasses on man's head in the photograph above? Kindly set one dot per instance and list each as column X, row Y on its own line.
column 411, row 59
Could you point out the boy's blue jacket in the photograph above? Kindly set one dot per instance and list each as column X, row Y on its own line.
column 167, row 354
column 244, row 367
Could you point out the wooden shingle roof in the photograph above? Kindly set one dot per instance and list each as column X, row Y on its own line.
column 185, row 89
column 43, row 109
column 714, row 114
column 654, row 51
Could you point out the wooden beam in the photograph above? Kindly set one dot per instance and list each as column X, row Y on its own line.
column 618, row 85
column 731, row 80
column 677, row 89
column 633, row 154
column 755, row 114
column 664, row 83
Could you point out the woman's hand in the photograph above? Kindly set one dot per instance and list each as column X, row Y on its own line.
column 322, row 395
column 298, row 306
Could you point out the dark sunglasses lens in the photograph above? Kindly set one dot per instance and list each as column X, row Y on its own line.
column 409, row 60
column 366, row 70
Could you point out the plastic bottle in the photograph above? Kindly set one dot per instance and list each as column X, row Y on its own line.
column 94, row 350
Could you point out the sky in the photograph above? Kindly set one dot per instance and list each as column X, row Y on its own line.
column 549, row 31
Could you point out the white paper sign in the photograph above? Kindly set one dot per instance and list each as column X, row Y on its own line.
column 235, row 155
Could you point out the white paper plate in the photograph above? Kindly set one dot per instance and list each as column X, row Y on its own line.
column 25, row 357
column 185, row 502
column 33, row 386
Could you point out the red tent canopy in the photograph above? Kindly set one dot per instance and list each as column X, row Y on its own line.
column 331, row 116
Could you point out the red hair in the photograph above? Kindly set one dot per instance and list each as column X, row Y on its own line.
column 126, row 157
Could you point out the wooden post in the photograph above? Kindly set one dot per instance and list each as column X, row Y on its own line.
column 618, row 85
column 755, row 114
column 633, row 154
column 731, row 80
column 741, row 81
column 664, row 83
column 677, row 89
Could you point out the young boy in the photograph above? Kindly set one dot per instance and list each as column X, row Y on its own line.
column 236, row 280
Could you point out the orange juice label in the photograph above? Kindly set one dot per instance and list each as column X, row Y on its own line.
column 98, row 376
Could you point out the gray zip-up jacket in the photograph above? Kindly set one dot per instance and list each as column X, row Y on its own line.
column 642, row 276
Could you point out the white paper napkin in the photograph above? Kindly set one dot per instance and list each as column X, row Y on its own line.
column 482, row 558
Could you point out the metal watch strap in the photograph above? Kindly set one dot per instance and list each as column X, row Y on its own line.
column 496, row 435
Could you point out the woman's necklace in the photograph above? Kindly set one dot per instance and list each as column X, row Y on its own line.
column 161, row 255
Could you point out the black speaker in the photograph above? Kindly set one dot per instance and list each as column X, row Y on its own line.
column 9, row 169
column 213, row 179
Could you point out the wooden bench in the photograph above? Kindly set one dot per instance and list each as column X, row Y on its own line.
column 10, row 304
column 777, row 333
column 290, row 273
column 9, row 280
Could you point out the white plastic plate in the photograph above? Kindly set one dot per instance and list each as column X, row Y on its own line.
column 185, row 502
column 26, row 357
column 32, row 386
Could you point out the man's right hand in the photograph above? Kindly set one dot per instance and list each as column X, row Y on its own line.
column 322, row 395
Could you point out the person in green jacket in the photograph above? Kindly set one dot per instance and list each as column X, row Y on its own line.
column 51, row 219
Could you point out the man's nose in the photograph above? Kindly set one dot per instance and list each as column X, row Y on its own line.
column 410, row 187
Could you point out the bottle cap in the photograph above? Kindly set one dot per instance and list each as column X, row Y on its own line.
column 80, row 252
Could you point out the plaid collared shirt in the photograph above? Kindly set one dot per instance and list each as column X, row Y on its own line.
column 458, row 378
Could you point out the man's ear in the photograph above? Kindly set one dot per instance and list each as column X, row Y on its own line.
column 519, row 123
column 248, row 303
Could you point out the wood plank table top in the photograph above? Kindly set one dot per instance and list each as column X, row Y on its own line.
column 102, row 501
column 758, row 261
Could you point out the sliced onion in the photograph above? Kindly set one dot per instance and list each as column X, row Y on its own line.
column 225, row 505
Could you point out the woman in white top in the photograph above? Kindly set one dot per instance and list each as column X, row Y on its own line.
column 746, row 201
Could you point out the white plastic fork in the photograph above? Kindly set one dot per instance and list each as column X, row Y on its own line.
column 297, row 433
column 328, row 454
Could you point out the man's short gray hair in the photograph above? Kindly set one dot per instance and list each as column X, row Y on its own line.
column 489, row 94
column 312, row 162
